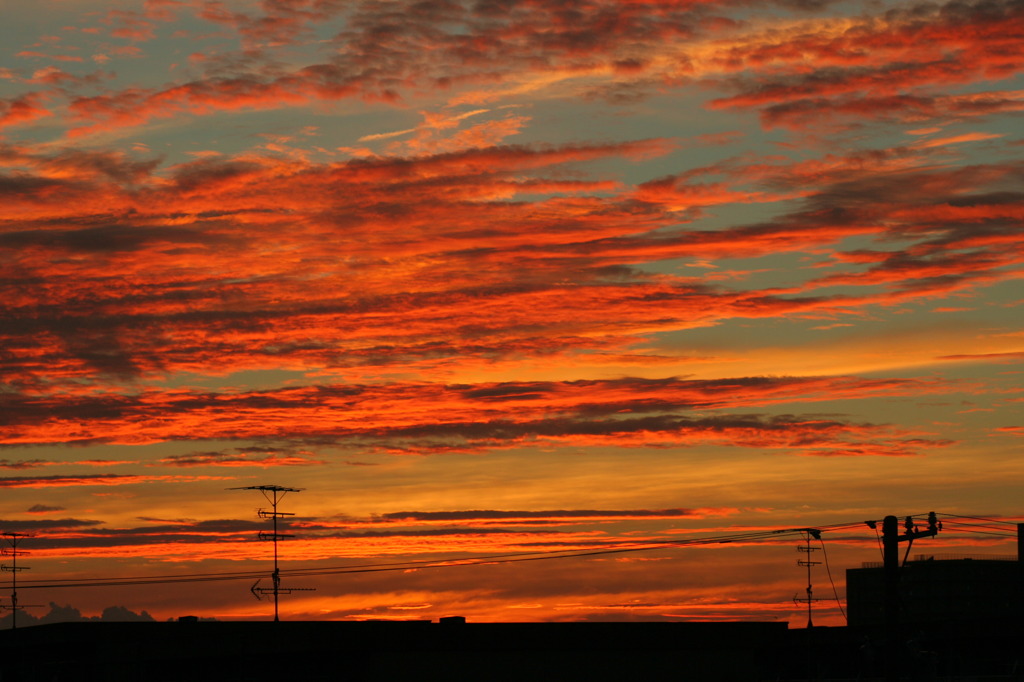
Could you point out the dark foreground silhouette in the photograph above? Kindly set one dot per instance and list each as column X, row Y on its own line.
column 454, row 650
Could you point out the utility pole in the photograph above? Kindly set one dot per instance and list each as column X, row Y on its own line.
column 273, row 494
column 891, row 539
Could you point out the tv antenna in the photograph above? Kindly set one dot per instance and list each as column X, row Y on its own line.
column 12, row 551
column 808, row 550
column 273, row 493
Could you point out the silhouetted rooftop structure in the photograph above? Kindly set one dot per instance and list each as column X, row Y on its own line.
column 194, row 649
column 403, row 650
column 939, row 589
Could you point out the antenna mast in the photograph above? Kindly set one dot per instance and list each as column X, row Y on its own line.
column 273, row 493
column 807, row 549
column 13, row 539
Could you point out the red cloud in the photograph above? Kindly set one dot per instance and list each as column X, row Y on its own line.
column 395, row 417
column 387, row 52
column 524, row 278
column 878, row 66
column 22, row 109
column 801, row 113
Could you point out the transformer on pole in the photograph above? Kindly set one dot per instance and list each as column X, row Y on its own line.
column 273, row 493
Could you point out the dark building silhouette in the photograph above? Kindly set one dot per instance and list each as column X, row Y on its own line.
column 956, row 590
column 410, row 650
column 453, row 650
column 948, row 617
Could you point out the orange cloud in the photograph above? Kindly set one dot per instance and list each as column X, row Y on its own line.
column 22, row 109
column 401, row 418
column 885, row 61
column 443, row 255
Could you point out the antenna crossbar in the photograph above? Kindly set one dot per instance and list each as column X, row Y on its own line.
column 273, row 537
column 264, row 514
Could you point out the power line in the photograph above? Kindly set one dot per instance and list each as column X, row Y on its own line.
column 824, row 554
column 401, row 565
column 963, row 525
column 878, row 537
column 978, row 518
column 406, row 565
column 985, row 532
column 508, row 557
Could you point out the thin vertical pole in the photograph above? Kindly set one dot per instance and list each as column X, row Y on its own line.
column 810, row 623
column 276, row 578
column 1020, row 567
column 12, row 540
column 14, row 584
column 891, row 563
column 808, row 550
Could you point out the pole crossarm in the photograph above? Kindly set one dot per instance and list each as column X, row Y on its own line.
column 911, row 531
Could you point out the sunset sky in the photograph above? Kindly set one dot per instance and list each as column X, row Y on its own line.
column 488, row 277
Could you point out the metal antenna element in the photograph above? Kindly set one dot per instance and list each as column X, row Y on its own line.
column 807, row 549
column 273, row 493
column 13, row 539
